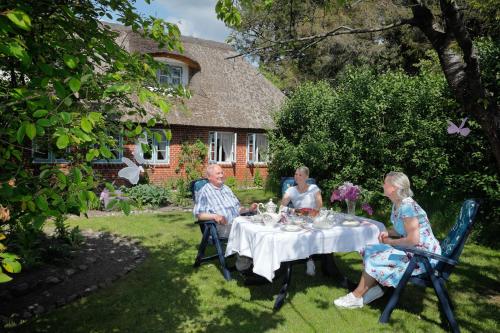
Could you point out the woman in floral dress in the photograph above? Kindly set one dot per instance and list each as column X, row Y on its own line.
column 384, row 264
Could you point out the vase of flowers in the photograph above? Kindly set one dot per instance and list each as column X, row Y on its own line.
column 350, row 193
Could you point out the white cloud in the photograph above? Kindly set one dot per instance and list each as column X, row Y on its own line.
column 196, row 18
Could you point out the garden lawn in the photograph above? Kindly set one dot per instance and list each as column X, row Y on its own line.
column 166, row 294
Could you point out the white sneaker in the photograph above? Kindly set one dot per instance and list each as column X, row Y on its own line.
column 372, row 294
column 311, row 269
column 349, row 301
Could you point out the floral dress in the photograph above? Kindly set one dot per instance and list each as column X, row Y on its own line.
column 386, row 264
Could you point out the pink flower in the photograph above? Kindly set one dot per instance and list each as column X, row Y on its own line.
column 335, row 196
column 367, row 208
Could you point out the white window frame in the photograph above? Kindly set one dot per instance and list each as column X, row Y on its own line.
column 153, row 144
column 253, row 150
column 168, row 77
column 215, row 150
column 118, row 150
column 51, row 156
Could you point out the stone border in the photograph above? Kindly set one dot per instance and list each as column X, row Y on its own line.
column 138, row 255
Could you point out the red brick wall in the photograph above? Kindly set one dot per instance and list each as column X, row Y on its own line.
column 159, row 174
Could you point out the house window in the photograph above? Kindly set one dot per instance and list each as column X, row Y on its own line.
column 221, row 147
column 159, row 147
column 117, row 152
column 172, row 75
column 257, row 148
column 42, row 152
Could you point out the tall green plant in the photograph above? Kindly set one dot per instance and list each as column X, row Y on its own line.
column 191, row 158
column 65, row 84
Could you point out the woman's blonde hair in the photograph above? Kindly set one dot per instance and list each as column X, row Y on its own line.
column 401, row 182
column 304, row 170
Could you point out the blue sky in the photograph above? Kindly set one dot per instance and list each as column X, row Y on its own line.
column 195, row 18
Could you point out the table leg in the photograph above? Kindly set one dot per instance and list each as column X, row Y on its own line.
column 280, row 299
column 330, row 268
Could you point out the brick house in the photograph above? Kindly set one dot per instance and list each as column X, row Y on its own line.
column 230, row 110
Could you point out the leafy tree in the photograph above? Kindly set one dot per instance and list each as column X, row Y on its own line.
column 441, row 22
column 65, row 85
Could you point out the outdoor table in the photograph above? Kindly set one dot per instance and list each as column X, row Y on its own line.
column 269, row 246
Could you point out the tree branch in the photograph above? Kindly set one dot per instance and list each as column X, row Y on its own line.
column 313, row 39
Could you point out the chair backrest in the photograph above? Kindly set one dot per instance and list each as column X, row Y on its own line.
column 196, row 185
column 287, row 182
column 454, row 242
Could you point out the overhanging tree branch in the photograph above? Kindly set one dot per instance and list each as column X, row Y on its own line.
column 314, row 39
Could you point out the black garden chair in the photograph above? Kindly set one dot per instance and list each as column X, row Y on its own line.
column 436, row 277
column 209, row 236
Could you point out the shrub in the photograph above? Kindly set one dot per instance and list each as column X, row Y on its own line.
column 257, row 179
column 231, row 182
column 369, row 124
column 149, row 195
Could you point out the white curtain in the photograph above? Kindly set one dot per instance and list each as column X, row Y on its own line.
column 227, row 145
column 262, row 146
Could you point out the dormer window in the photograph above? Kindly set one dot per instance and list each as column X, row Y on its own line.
column 172, row 75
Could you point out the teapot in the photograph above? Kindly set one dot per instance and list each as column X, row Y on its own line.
column 270, row 207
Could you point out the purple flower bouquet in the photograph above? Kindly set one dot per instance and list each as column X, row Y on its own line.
column 350, row 193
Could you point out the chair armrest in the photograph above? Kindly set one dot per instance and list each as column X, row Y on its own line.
column 423, row 253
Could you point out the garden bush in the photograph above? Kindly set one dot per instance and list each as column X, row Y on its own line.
column 149, row 195
column 368, row 124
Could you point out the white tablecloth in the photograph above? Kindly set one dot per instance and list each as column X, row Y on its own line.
column 269, row 246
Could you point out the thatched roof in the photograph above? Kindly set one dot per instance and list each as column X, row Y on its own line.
column 225, row 93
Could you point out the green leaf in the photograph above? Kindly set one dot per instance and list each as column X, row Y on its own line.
column 138, row 130
column 20, row 19
column 74, row 84
column 7, row 255
column 117, row 88
column 70, row 61
column 89, row 156
column 151, row 122
column 168, row 134
column 11, row 266
column 77, row 174
column 4, row 277
column 165, row 107
column 86, row 125
column 68, row 101
column 21, row 132
column 158, row 136
column 44, row 173
column 62, row 141
column 60, row 90
column 30, row 130
column 105, row 152
column 40, row 131
column 44, row 122
column 40, row 113
column 15, row 49
column 41, row 202
column 31, row 206
column 95, row 117
column 66, row 117
column 62, row 180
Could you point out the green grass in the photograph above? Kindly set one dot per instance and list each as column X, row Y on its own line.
column 166, row 294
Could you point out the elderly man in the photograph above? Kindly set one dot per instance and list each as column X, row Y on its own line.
column 215, row 201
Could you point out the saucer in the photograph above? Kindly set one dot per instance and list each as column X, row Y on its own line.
column 350, row 223
column 291, row 227
column 322, row 226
